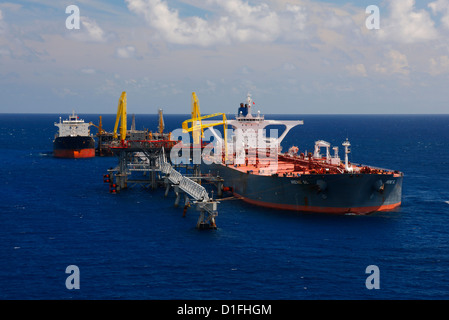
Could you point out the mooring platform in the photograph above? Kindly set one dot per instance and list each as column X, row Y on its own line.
column 146, row 164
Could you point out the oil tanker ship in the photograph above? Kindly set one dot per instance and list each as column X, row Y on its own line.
column 73, row 139
column 254, row 169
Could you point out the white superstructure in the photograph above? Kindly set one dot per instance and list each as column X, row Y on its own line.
column 249, row 131
column 73, row 127
column 334, row 160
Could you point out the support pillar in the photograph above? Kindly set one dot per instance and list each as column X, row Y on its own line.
column 186, row 205
column 167, row 188
column 220, row 189
column 178, row 195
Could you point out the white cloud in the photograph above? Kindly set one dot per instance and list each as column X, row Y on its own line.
column 10, row 6
column 237, row 22
column 2, row 23
column 406, row 24
column 439, row 65
column 170, row 26
column 294, row 26
column 268, row 47
column 395, row 63
column 93, row 30
column 357, row 70
column 441, row 6
column 88, row 71
column 249, row 23
column 438, row 6
column 287, row 66
column 125, row 52
column 90, row 31
column 64, row 92
column 398, row 63
column 211, row 86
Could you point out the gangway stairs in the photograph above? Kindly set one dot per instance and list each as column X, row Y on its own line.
column 204, row 204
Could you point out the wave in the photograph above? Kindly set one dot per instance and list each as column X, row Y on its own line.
column 46, row 154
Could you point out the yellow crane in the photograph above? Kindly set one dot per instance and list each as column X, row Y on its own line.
column 197, row 127
column 161, row 123
column 101, row 131
column 121, row 113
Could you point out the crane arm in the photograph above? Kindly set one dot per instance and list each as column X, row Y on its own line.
column 186, row 128
column 197, row 127
column 99, row 127
column 198, row 132
column 121, row 113
column 161, row 122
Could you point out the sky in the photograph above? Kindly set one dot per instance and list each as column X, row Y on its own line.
column 292, row 56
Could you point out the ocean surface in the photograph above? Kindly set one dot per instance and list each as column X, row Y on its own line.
column 136, row 245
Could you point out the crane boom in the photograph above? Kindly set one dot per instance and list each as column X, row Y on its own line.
column 121, row 113
column 99, row 127
column 197, row 130
column 161, row 122
column 197, row 127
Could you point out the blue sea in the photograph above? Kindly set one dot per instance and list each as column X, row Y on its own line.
column 55, row 213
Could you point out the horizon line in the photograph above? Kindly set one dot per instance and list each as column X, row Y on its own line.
column 286, row 114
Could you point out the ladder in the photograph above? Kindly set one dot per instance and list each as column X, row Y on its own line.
column 196, row 191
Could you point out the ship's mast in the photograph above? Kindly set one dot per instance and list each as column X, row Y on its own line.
column 249, row 103
column 347, row 144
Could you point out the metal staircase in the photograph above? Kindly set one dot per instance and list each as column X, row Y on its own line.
column 204, row 204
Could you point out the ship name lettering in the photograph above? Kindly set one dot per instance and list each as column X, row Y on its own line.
column 390, row 182
column 299, row 182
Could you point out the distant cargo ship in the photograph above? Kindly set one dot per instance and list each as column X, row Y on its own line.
column 74, row 139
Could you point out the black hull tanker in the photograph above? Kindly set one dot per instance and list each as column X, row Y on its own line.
column 74, row 147
column 254, row 170
column 73, row 139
